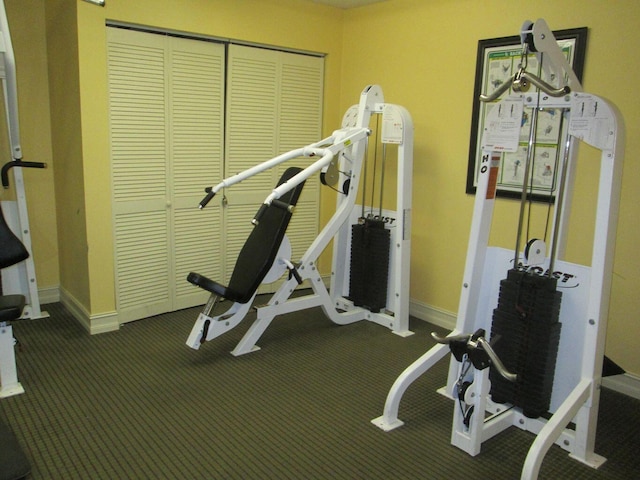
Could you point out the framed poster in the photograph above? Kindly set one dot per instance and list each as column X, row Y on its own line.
column 497, row 61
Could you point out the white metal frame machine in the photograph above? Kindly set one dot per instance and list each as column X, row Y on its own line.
column 342, row 156
column 585, row 289
column 20, row 278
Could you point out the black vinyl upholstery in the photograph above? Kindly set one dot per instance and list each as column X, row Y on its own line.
column 11, row 307
column 259, row 251
column 14, row 464
column 12, row 251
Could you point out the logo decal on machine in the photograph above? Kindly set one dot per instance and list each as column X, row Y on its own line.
column 565, row 279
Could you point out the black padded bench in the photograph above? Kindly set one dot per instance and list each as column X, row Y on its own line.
column 259, row 251
column 13, row 462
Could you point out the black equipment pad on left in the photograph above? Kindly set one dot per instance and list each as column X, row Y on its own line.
column 12, row 251
column 13, row 461
column 11, row 307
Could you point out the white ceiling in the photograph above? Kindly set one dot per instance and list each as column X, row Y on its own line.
column 347, row 3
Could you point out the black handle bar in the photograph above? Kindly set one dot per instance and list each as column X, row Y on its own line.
column 17, row 163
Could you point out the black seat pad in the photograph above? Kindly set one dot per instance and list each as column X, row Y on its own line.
column 209, row 285
column 259, row 251
column 12, row 250
column 11, row 307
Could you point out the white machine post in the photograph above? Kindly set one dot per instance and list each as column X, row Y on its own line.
column 9, row 384
column 340, row 156
column 585, row 289
column 18, row 279
column 397, row 129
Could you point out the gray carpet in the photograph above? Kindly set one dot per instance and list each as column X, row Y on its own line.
column 139, row 404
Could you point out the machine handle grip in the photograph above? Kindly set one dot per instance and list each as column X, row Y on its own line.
column 477, row 341
column 207, row 198
column 17, row 163
column 296, row 275
column 495, row 360
column 274, row 203
column 259, row 214
column 545, row 87
column 283, row 205
column 499, row 91
column 452, row 338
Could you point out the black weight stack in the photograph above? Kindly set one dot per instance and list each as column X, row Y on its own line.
column 370, row 243
column 525, row 334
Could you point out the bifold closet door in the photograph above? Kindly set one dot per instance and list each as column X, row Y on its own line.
column 274, row 104
column 166, row 127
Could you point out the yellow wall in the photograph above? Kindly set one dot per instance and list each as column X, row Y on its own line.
column 424, row 56
column 66, row 128
column 422, row 53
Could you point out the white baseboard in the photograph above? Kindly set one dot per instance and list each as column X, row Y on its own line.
column 76, row 309
column 627, row 384
column 436, row 316
column 105, row 322
column 94, row 324
column 48, row 295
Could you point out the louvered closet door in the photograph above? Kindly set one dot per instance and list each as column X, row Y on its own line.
column 274, row 104
column 137, row 92
column 196, row 142
column 166, row 111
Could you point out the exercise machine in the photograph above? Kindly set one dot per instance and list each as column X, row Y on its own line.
column 340, row 160
column 19, row 289
column 19, row 293
column 547, row 317
column 11, row 307
column 19, row 279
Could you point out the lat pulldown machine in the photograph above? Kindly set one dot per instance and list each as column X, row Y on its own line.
column 548, row 317
column 21, row 278
column 19, row 293
column 265, row 256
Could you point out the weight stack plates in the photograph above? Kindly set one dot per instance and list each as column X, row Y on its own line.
column 525, row 334
column 368, row 281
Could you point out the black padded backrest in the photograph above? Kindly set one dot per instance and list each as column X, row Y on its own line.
column 260, row 249
column 12, row 250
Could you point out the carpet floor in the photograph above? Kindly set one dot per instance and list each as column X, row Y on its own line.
column 139, row 404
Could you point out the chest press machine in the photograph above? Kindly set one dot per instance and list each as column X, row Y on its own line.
column 265, row 257
column 545, row 354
